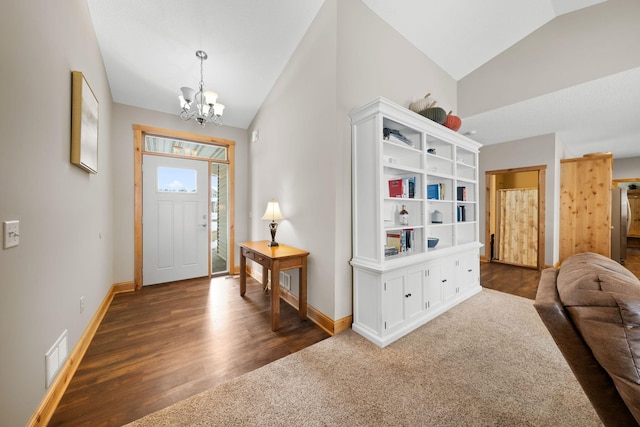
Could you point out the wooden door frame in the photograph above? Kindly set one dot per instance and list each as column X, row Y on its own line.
column 616, row 182
column 490, row 190
column 139, row 133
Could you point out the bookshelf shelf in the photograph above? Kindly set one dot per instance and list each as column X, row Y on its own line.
column 396, row 152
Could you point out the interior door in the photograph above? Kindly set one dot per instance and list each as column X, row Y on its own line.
column 175, row 219
column 517, row 211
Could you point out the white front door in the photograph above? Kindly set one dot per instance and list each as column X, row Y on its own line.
column 175, row 205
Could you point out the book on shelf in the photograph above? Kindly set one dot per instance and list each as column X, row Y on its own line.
column 462, row 194
column 399, row 242
column 462, row 213
column 394, row 240
column 396, row 136
column 390, row 250
column 436, row 191
column 403, row 187
column 409, row 242
column 395, row 188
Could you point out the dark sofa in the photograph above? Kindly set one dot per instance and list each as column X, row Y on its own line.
column 591, row 307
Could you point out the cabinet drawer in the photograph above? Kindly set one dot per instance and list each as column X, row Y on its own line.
column 260, row 259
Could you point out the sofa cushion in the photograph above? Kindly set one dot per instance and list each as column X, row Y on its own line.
column 603, row 300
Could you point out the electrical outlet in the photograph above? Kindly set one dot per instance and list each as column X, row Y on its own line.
column 81, row 305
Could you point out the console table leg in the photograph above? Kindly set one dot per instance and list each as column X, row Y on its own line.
column 302, row 305
column 243, row 274
column 275, row 296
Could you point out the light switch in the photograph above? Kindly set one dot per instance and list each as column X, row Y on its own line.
column 11, row 234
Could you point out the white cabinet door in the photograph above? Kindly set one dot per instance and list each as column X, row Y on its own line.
column 467, row 271
column 434, row 289
column 414, row 297
column 447, row 278
column 393, row 305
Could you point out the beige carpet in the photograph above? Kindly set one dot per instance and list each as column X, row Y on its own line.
column 487, row 362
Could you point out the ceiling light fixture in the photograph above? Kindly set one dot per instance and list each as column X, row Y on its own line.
column 201, row 105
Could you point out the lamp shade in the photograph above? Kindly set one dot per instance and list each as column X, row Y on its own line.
column 273, row 212
column 218, row 109
column 187, row 93
column 210, row 97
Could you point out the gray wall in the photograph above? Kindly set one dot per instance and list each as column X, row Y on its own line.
column 303, row 159
column 555, row 57
column 552, row 58
column 76, row 228
column 66, row 215
column 626, row 168
column 541, row 150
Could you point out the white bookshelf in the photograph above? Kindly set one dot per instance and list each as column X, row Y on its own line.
column 401, row 158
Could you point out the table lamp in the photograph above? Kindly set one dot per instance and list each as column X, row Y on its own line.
column 272, row 214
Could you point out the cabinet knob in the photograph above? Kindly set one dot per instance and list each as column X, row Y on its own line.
column 407, row 295
column 444, row 280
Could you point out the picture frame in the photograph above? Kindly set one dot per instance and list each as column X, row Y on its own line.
column 84, row 124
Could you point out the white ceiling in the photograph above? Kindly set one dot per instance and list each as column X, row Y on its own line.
column 148, row 47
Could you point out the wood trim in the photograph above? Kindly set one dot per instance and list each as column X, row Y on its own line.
column 616, row 182
column 47, row 407
column 514, row 170
column 327, row 324
column 152, row 130
column 137, row 207
column 542, row 209
column 232, row 206
column 123, row 287
column 588, row 157
column 139, row 132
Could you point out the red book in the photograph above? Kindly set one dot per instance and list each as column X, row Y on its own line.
column 396, row 188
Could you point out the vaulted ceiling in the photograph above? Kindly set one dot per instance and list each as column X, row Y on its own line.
column 148, row 47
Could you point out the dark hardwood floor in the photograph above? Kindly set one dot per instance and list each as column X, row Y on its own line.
column 524, row 281
column 510, row 279
column 165, row 343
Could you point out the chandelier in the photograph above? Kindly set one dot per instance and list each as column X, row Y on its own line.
column 201, row 105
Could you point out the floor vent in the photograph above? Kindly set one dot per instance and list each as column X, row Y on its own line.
column 55, row 358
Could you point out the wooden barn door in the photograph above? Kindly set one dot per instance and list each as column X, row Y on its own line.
column 517, row 231
column 585, row 205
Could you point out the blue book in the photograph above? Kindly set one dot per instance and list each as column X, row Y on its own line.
column 433, row 191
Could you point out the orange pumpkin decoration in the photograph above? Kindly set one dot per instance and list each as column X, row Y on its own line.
column 453, row 122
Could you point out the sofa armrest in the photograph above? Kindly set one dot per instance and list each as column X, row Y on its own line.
column 594, row 380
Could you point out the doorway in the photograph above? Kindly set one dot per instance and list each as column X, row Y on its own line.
column 219, row 218
column 174, row 229
column 515, row 216
column 216, row 217
column 632, row 185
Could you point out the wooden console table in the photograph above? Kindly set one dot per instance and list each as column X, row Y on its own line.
column 276, row 259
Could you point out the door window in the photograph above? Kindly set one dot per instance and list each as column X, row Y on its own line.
column 175, row 180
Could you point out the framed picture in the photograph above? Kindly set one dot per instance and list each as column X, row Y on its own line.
column 84, row 124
